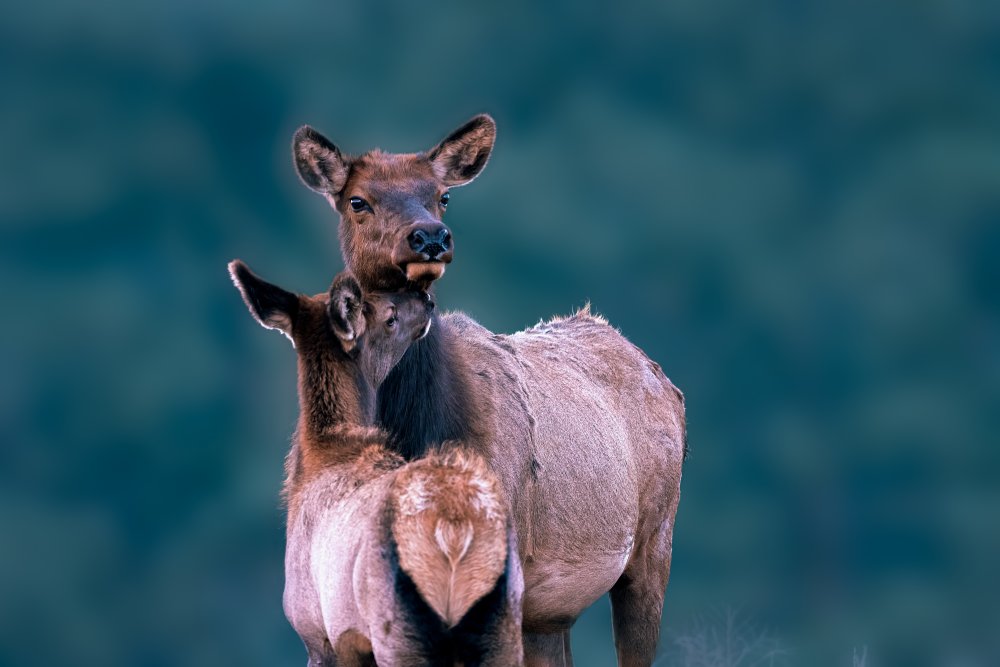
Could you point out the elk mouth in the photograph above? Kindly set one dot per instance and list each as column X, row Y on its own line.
column 422, row 251
column 424, row 272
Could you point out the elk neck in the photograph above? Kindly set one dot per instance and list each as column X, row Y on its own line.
column 333, row 392
column 424, row 401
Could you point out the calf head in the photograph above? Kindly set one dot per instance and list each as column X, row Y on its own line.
column 364, row 334
column 390, row 204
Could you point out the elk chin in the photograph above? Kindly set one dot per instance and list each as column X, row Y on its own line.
column 424, row 272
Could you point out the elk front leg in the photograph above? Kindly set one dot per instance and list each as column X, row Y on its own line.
column 547, row 650
column 637, row 601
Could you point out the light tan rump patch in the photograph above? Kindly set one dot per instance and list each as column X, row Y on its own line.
column 450, row 530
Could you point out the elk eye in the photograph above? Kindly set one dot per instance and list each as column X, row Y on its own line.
column 391, row 322
column 444, row 200
column 358, row 204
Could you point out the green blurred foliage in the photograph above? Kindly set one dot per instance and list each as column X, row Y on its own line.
column 793, row 207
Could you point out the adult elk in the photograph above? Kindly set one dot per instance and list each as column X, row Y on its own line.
column 386, row 562
column 585, row 432
column 392, row 204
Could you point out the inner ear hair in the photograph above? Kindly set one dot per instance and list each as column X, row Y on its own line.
column 272, row 306
column 346, row 310
column 464, row 153
column 318, row 161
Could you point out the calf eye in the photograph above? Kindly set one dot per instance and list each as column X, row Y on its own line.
column 444, row 200
column 391, row 322
column 358, row 204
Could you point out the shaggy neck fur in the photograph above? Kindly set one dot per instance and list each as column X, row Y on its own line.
column 336, row 406
column 424, row 401
column 332, row 391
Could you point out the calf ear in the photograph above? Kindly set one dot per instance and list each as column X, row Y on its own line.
column 319, row 162
column 459, row 158
column 270, row 305
column 346, row 311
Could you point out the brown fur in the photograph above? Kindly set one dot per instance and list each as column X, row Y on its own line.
column 584, row 431
column 586, row 434
column 403, row 193
column 450, row 525
column 357, row 515
column 353, row 649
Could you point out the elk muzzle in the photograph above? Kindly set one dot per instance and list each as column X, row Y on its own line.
column 423, row 251
column 430, row 243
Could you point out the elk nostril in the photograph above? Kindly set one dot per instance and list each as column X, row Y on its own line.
column 446, row 239
column 417, row 240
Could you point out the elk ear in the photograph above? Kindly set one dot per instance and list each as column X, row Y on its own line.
column 319, row 162
column 459, row 158
column 270, row 305
column 345, row 310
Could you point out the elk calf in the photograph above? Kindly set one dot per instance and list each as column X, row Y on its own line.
column 386, row 562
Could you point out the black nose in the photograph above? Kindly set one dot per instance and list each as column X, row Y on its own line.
column 430, row 242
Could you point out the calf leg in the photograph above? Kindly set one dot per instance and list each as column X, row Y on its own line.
column 353, row 649
column 637, row 601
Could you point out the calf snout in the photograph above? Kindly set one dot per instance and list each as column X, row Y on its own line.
column 431, row 240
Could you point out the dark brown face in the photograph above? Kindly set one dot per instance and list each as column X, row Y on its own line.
column 391, row 229
column 374, row 330
column 391, row 205
column 393, row 321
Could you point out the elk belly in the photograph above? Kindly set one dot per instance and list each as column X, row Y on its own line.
column 418, row 271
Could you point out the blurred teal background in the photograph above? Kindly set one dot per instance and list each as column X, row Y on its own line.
column 793, row 207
